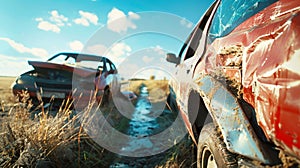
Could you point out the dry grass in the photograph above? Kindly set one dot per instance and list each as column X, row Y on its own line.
column 59, row 140
column 6, row 96
column 158, row 89
column 45, row 140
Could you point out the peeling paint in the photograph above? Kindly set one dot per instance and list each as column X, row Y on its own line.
column 256, row 61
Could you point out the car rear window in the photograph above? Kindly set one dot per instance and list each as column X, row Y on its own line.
column 63, row 59
column 231, row 13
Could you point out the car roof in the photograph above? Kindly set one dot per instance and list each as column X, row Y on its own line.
column 79, row 56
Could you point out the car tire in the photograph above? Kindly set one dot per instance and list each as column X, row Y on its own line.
column 212, row 151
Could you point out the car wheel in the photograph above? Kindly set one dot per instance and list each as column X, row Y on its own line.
column 212, row 151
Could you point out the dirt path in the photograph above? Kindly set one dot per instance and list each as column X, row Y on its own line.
column 149, row 119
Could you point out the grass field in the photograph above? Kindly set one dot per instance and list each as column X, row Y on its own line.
column 60, row 140
column 158, row 89
column 6, row 97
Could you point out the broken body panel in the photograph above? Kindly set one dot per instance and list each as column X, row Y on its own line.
column 260, row 57
column 59, row 78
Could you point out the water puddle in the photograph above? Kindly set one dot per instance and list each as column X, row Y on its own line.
column 142, row 125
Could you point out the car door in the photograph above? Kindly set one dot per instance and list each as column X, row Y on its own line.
column 190, row 55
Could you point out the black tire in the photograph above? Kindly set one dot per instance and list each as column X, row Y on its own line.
column 212, row 151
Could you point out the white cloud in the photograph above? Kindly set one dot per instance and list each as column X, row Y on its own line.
column 82, row 21
column 119, row 49
column 117, row 21
column 12, row 66
column 97, row 49
column 117, row 52
column 47, row 26
column 86, row 18
column 76, row 45
column 58, row 19
column 133, row 15
column 55, row 22
column 39, row 52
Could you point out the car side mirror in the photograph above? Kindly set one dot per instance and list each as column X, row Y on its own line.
column 172, row 58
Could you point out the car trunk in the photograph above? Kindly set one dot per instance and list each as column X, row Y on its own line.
column 57, row 79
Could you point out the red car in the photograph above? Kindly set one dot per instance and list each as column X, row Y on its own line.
column 64, row 73
column 238, row 84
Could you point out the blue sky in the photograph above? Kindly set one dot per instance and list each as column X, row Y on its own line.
column 36, row 30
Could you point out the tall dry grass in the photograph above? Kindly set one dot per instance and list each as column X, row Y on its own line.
column 59, row 140
column 47, row 140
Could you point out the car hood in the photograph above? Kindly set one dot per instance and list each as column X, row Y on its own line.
column 48, row 66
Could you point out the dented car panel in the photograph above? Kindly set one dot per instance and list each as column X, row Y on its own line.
column 270, row 69
column 48, row 66
column 257, row 49
column 238, row 134
column 54, row 77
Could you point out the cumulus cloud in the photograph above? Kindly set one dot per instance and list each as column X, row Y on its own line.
column 86, row 18
column 54, row 22
column 97, row 49
column 47, row 26
column 39, row 52
column 117, row 52
column 16, row 65
column 57, row 18
column 118, row 22
column 76, row 45
column 119, row 49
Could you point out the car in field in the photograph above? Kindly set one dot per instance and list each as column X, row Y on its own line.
column 237, row 84
column 65, row 73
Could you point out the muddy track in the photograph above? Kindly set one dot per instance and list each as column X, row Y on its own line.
column 146, row 122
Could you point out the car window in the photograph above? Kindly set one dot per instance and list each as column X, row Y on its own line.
column 231, row 13
column 63, row 59
column 100, row 65
column 88, row 64
column 113, row 67
column 192, row 43
column 108, row 68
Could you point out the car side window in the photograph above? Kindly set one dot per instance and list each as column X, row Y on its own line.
column 100, row 66
column 232, row 13
column 108, row 67
column 192, row 43
column 113, row 67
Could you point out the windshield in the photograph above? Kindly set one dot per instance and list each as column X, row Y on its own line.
column 85, row 61
column 231, row 13
column 63, row 59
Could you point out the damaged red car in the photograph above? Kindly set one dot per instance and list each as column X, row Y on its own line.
column 65, row 73
column 238, row 84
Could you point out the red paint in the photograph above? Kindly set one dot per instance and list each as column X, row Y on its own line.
column 270, row 84
column 84, row 72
